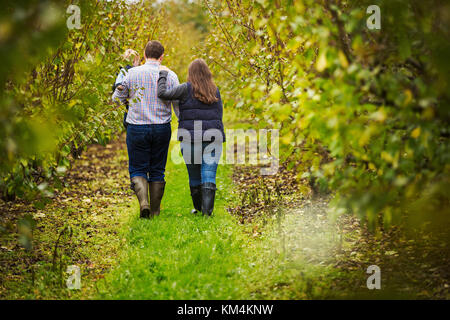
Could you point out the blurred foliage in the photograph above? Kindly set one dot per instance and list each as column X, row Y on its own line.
column 56, row 83
column 364, row 113
column 188, row 12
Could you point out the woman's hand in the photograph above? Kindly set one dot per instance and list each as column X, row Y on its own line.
column 163, row 68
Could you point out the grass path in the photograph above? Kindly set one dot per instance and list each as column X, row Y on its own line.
column 179, row 255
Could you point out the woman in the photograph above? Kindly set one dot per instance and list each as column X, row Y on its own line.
column 200, row 130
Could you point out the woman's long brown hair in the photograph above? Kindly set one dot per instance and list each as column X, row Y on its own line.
column 202, row 83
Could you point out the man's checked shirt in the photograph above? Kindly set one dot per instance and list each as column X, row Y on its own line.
column 140, row 89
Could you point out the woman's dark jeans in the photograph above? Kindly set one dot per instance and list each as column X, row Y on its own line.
column 148, row 146
column 202, row 161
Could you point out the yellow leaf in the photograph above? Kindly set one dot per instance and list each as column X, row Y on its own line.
column 415, row 133
column 321, row 63
column 386, row 156
column 408, row 97
column 275, row 93
column 287, row 139
column 365, row 137
column 343, row 59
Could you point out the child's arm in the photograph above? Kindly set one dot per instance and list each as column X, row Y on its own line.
column 121, row 91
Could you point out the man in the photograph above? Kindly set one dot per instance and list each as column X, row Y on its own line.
column 148, row 131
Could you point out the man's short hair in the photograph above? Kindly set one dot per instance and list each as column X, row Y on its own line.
column 154, row 50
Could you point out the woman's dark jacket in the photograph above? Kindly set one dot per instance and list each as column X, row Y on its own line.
column 192, row 109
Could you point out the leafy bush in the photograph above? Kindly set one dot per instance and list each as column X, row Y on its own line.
column 56, row 83
column 364, row 111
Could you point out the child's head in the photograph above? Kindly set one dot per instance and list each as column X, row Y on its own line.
column 131, row 56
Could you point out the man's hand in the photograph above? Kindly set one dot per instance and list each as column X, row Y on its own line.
column 163, row 68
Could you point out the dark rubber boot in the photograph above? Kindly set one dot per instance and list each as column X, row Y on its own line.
column 196, row 195
column 156, row 194
column 208, row 195
column 140, row 187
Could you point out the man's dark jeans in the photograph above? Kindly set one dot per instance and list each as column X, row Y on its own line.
column 148, row 146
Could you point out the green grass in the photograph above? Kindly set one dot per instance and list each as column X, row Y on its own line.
column 178, row 255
